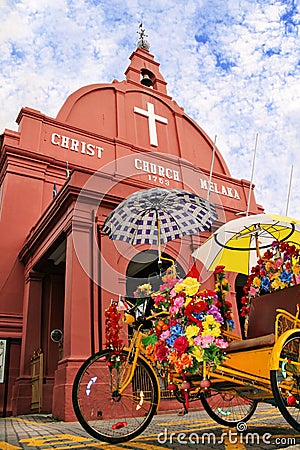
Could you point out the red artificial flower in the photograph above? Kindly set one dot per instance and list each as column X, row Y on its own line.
column 219, row 269
column 181, row 344
column 197, row 308
column 162, row 352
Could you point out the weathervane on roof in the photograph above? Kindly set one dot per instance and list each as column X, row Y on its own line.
column 142, row 42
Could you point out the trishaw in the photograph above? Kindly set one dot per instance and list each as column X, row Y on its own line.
column 116, row 393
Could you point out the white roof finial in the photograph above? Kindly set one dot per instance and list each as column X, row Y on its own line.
column 142, row 42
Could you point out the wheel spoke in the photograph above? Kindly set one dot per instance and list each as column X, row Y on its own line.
column 228, row 408
column 106, row 412
column 286, row 381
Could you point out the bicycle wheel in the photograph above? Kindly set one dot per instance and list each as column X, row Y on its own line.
column 101, row 409
column 228, row 407
column 285, row 381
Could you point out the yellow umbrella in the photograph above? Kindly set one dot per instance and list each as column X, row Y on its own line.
column 239, row 243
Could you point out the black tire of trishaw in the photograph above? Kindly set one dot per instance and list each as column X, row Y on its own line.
column 86, row 368
column 222, row 420
column 280, row 402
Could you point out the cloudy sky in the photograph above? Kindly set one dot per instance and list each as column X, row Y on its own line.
column 234, row 65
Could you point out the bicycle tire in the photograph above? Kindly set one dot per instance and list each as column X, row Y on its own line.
column 285, row 381
column 104, row 413
column 228, row 408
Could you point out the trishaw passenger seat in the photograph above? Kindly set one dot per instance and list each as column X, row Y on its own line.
column 261, row 324
column 249, row 344
column 263, row 310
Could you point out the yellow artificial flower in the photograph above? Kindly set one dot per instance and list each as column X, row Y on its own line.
column 145, row 287
column 190, row 341
column 191, row 331
column 256, row 282
column 218, row 286
column 276, row 283
column 198, row 353
column 189, row 285
column 296, row 269
column 178, row 287
column 269, row 265
column 214, row 331
column 209, row 320
column 211, row 327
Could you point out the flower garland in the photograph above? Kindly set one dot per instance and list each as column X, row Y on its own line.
column 221, row 288
column 113, row 327
column 191, row 332
column 278, row 268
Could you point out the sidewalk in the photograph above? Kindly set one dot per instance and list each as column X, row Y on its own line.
column 266, row 430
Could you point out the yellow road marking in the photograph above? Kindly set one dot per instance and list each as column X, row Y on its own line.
column 270, row 412
column 39, row 424
column 90, row 444
column 233, row 445
column 145, row 446
column 183, row 422
column 54, row 439
column 6, row 446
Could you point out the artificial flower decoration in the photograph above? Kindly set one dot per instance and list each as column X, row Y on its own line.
column 113, row 327
column 191, row 330
column 277, row 269
column 143, row 291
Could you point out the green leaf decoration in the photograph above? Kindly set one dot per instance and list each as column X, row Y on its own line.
column 151, row 339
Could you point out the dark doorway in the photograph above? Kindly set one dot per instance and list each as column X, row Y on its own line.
column 143, row 268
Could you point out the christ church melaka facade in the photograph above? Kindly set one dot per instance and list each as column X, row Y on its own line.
column 58, row 271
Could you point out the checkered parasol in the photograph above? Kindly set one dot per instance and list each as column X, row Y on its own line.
column 159, row 215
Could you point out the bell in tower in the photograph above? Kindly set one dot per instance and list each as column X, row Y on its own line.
column 146, row 79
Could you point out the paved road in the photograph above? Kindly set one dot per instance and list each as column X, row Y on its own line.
column 266, row 430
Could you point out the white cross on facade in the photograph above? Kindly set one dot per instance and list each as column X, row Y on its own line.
column 152, row 118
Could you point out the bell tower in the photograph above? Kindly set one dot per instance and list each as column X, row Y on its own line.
column 143, row 70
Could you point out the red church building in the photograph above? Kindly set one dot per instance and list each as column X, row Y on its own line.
column 60, row 178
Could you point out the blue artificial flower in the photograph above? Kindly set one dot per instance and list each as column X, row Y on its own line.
column 265, row 284
column 199, row 316
column 170, row 340
column 230, row 323
column 286, row 277
column 176, row 330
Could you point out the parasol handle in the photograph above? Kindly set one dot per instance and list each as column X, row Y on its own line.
column 158, row 240
column 257, row 246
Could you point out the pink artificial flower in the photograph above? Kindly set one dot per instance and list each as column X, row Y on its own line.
column 278, row 263
column 204, row 341
column 164, row 335
column 221, row 343
column 252, row 291
column 173, row 310
column 178, row 303
column 173, row 293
